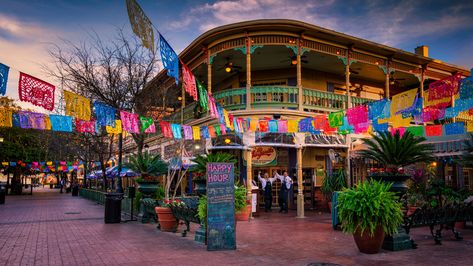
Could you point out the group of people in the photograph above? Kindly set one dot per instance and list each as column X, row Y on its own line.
column 267, row 186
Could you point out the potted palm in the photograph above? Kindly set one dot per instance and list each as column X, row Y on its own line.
column 369, row 211
column 149, row 167
column 394, row 152
column 332, row 183
column 200, row 169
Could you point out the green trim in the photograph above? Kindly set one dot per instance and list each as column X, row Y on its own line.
column 293, row 48
column 254, row 47
column 241, row 49
column 211, row 58
column 304, row 49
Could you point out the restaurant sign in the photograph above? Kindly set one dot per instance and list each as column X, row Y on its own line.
column 264, row 155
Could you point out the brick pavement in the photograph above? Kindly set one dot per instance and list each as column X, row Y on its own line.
column 49, row 228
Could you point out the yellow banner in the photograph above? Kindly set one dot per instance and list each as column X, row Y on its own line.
column 115, row 130
column 5, row 117
column 47, row 123
column 402, row 101
column 398, row 121
column 253, row 125
column 469, row 126
column 77, row 106
column 227, row 119
column 196, row 133
column 292, row 126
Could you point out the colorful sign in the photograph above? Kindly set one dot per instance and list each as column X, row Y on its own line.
column 220, row 207
column 263, row 156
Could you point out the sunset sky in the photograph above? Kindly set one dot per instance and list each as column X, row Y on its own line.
column 29, row 27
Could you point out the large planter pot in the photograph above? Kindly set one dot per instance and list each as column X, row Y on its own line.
column 147, row 188
column 166, row 219
column 244, row 214
column 369, row 244
column 200, row 187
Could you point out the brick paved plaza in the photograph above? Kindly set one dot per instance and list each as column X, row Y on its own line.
column 49, row 228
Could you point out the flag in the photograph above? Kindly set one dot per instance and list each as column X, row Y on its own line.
column 83, row 126
column 105, row 114
column 176, row 131
column 117, row 129
column 379, row 127
column 6, row 117
column 335, row 119
column 140, row 24
column 379, row 109
column 403, row 101
column 443, row 88
column 196, row 133
column 25, row 121
column 166, row 129
column 433, row 130
column 212, row 106
column 357, row 115
column 273, row 126
column 466, row 88
column 204, row 132
column 263, row 125
column 223, row 129
column 129, row 122
column 36, row 91
column 292, row 126
column 146, row 122
column 282, row 126
column 454, row 128
column 417, row 131
column 77, row 106
column 169, row 58
column 188, row 81
column 187, row 132
column 202, row 96
column 227, row 119
column 61, row 123
column 3, row 78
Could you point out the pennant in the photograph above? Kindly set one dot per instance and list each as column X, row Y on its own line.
column 403, row 101
column 217, row 130
column 37, row 120
column 187, row 132
column 227, row 119
column 446, row 87
column 451, row 112
column 439, row 103
column 305, row 125
column 15, row 120
column 357, row 115
column 361, row 127
column 77, row 106
column 263, row 125
column 117, row 129
column 335, row 119
column 146, row 122
column 140, row 24
column 188, row 82
column 223, row 129
column 203, row 99
column 380, row 127
column 204, row 132
column 345, row 128
column 83, row 126
column 469, row 126
column 169, row 58
column 220, row 113
column 129, row 122
column 166, row 129
column 36, row 91
column 292, row 126
column 466, row 87
column 454, row 128
column 176, row 131
column 6, row 117
column 430, row 114
column 417, row 131
column 151, row 129
column 399, row 121
column 282, row 126
column 105, row 114
column 379, row 109
column 212, row 106
column 196, row 133
column 47, row 123
column 463, row 104
column 61, row 123
column 241, row 125
column 25, row 121
column 273, row 126
column 3, row 78
column 230, row 118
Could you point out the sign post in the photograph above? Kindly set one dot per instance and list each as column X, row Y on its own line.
column 220, row 207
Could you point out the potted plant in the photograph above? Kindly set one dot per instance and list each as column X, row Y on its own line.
column 369, row 211
column 394, row 152
column 149, row 167
column 334, row 182
column 200, row 169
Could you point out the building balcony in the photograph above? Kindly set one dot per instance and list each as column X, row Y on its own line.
column 272, row 97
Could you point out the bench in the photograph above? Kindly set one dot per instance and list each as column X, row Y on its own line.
column 148, row 210
column 187, row 213
column 439, row 218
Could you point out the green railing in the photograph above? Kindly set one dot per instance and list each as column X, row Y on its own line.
column 189, row 114
column 99, row 197
column 232, row 99
column 316, row 100
column 282, row 97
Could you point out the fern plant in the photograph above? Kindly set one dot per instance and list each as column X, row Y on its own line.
column 395, row 151
column 334, row 182
column 368, row 205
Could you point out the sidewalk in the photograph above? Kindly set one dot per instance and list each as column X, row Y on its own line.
column 49, row 228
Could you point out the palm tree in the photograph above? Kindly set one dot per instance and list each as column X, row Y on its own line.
column 394, row 151
column 467, row 156
column 147, row 164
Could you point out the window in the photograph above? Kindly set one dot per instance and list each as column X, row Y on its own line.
column 261, row 97
column 277, row 97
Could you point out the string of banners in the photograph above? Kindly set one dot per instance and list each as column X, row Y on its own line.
column 50, row 166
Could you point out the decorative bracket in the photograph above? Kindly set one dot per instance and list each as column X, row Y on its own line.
column 211, row 58
column 345, row 60
column 243, row 48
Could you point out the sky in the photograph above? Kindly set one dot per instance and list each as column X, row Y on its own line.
column 28, row 28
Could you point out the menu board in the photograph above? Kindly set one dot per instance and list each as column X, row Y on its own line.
column 220, row 207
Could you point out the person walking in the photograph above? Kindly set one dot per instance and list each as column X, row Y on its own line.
column 63, row 183
column 286, row 183
column 267, row 186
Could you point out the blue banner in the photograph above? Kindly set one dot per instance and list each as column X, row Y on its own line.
column 3, row 78
column 379, row 109
column 204, row 132
column 61, row 123
column 273, row 126
column 169, row 58
column 176, row 131
column 454, row 128
column 105, row 114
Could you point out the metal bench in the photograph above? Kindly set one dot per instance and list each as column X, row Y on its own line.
column 148, row 210
column 187, row 213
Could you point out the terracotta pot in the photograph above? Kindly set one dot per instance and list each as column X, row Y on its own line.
column 460, row 225
column 244, row 214
column 166, row 219
column 369, row 244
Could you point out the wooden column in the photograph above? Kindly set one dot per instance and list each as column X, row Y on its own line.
column 299, row 76
column 249, row 175
column 386, row 85
column 209, row 72
column 347, row 79
column 300, row 185
column 248, row 73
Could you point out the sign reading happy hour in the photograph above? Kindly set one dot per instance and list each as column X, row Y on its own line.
column 220, row 207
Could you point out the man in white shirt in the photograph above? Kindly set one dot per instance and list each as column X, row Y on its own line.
column 267, row 186
column 286, row 183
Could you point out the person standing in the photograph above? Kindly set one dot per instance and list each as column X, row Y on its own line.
column 267, row 186
column 286, row 183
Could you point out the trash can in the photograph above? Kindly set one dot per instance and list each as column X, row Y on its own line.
column 75, row 190
column 3, row 192
column 113, row 207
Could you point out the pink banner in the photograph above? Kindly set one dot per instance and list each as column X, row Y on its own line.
column 85, row 126
column 130, row 122
column 357, row 115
